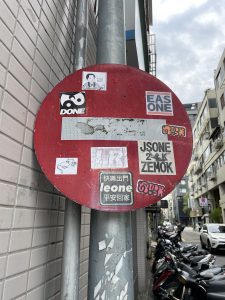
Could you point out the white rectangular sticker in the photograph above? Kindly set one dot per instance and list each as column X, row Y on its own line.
column 66, row 166
column 159, row 103
column 156, row 158
column 115, row 129
column 94, row 81
column 109, row 157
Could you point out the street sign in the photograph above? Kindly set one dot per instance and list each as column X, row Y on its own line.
column 113, row 138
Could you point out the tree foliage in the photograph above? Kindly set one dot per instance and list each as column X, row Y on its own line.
column 186, row 208
column 216, row 215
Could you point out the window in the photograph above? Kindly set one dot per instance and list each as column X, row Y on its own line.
column 222, row 102
column 212, row 103
column 218, row 79
column 214, row 122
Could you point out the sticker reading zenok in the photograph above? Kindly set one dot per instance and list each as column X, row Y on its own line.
column 116, row 188
column 156, row 158
column 159, row 103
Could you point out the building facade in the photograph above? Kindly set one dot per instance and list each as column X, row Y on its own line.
column 182, row 189
column 206, row 160
column 37, row 51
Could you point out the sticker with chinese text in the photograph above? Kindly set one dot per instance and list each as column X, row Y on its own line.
column 116, row 188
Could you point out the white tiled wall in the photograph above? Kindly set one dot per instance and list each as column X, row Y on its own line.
column 36, row 52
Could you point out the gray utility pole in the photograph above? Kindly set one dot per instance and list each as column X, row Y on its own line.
column 71, row 245
column 111, row 253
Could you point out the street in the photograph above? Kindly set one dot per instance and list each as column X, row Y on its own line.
column 191, row 236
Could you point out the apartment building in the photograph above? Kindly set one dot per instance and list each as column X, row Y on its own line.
column 207, row 168
column 181, row 189
column 218, row 138
column 206, row 160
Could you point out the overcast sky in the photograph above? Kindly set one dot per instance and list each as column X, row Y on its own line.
column 190, row 38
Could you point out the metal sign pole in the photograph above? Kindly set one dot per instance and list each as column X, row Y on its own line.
column 71, row 244
column 111, row 253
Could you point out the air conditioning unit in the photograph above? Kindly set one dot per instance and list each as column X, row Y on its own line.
column 206, row 135
column 218, row 144
column 195, row 156
column 198, row 168
column 212, row 176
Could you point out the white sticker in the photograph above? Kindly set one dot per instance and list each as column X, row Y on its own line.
column 66, row 166
column 94, row 81
column 109, row 158
column 113, row 129
column 156, row 158
column 159, row 103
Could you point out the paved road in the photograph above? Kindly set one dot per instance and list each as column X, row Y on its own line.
column 191, row 236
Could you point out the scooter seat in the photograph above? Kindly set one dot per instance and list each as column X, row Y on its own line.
column 216, row 296
column 213, row 271
column 216, row 286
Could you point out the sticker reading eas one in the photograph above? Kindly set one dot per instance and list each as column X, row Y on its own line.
column 159, row 103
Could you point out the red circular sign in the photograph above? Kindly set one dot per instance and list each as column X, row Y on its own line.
column 113, row 138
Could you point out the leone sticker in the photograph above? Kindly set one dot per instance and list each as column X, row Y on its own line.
column 174, row 130
column 159, row 103
column 150, row 188
column 116, row 188
column 72, row 103
column 109, row 157
column 94, row 81
column 156, row 158
column 66, row 166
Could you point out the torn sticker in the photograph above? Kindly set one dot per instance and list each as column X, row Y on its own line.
column 94, row 81
column 159, row 103
column 66, row 166
column 107, row 258
column 174, row 130
column 113, row 129
column 109, row 157
column 150, row 188
column 102, row 245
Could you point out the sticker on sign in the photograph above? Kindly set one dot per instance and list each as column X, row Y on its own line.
column 116, row 188
column 159, row 103
column 156, row 158
column 109, row 157
column 122, row 129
